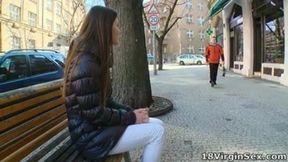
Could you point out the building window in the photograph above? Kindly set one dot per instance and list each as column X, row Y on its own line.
column 200, row 6
column 189, row 19
column 188, row 4
column 202, row 35
column 32, row 18
column 58, row 9
column 165, row 9
column 31, row 44
column 16, row 42
column 165, row 48
column 239, row 42
column 48, row 5
column 201, row 49
column 274, row 40
column 200, row 21
column 58, row 28
column 50, row 44
column 190, row 34
column 190, row 49
column 15, row 12
column 49, row 24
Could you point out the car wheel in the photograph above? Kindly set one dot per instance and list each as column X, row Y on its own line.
column 182, row 63
column 199, row 63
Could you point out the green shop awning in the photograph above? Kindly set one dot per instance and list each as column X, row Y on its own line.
column 217, row 7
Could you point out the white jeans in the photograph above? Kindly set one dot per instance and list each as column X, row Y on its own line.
column 148, row 135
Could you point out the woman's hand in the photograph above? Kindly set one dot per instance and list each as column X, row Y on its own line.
column 141, row 115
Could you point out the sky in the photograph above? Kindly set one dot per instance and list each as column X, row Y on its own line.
column 90, row 3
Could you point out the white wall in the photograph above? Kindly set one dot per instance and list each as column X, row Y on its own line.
column 226, row 39
column 248, row 38
column 284, row 79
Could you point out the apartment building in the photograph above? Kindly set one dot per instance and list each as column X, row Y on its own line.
column 39, row 23
column 189, row 33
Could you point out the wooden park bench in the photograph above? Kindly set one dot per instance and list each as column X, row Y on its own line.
column 34, row 126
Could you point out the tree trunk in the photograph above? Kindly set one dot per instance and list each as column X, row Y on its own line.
column 131, row 81
column 160, row 53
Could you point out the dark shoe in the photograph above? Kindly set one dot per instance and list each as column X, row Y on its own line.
column 212, row 84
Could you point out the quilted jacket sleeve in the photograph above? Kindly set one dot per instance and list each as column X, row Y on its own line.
column 85, row 84
column 116, row 105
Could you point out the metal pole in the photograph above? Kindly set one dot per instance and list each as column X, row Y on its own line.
column 154, row 53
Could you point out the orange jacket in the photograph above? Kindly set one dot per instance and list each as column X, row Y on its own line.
column 214, row 53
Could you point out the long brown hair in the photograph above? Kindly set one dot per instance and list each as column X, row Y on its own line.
column 95, row 37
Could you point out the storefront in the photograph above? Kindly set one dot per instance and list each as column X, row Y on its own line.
column 269, row 38
column 255, row 37
column 236, row 39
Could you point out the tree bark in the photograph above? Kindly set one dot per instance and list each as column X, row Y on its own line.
column 131, row 81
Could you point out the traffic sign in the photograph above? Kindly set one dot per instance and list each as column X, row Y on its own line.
column 153, row 9
column 153, row 19
column 155, row 28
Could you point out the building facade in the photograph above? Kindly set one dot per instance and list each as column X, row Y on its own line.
column 255, row 38
column 26, row 24
column 189, row 33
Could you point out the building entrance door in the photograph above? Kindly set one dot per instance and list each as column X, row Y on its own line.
column 258, row 45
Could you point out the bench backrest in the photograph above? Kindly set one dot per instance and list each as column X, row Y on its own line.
column 30, row 117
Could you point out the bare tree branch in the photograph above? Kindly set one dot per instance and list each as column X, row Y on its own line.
column 70, row 18
column 170, row 15
column 171, row 26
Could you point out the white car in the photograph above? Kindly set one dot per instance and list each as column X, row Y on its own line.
column 184, row 59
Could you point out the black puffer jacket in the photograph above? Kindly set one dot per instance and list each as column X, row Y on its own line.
column 93, row 129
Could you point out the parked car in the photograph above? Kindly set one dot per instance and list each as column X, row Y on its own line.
column 21, row 68
column 188, row 58
column 150, row 58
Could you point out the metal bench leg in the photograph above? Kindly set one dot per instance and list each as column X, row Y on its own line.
column 127, row 157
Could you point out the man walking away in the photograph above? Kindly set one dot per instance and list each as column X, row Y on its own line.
column 213, row 54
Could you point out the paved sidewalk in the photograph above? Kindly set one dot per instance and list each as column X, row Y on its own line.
column 238, row 115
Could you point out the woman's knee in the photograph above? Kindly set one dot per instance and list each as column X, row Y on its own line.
column 159, row 131
column 156, row 121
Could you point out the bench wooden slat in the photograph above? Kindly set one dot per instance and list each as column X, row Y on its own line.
column 69, row 152
column 57, row 150
column 14, row 120
column 28, row 103
column 14, row 95
column 52, row 146
column 23, row 151
column 31, row 125
column 9, row 148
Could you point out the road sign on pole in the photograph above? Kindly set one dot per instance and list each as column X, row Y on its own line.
column 154, row 23
column 154, row 28
column 153, row 9
column 153, row 19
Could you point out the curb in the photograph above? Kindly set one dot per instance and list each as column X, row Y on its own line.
column 160, row 105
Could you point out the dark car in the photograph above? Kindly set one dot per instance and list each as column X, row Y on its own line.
column 21, row 68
